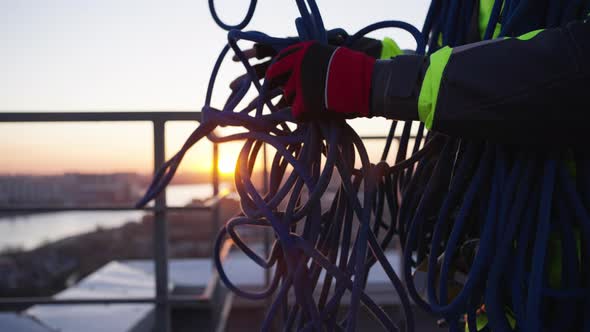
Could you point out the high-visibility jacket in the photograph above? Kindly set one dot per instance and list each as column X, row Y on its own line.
column 529, row 89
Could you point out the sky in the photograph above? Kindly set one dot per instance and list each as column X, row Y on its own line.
column 138, row 55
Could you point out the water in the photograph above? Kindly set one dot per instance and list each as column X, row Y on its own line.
column 30, row 231
column 182, row 194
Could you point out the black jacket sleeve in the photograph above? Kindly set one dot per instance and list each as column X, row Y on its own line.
column 527, row 90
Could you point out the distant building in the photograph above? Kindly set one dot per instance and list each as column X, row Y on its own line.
column 72, row 189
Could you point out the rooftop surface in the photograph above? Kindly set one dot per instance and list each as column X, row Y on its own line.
column 135, row 279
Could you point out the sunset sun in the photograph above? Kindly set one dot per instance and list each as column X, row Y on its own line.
column 226, row 165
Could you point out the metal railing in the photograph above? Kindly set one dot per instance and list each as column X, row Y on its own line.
column 162, row 299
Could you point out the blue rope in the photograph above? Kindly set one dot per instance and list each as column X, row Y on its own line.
column 438, row 195
column 238, row 26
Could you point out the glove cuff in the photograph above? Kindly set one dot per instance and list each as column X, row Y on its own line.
column 396, row 87
column 348, row 82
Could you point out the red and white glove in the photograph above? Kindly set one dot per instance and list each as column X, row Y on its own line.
column 322, row 81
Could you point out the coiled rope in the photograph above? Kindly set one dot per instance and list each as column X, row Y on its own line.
column 526, row 208
column 441, row 194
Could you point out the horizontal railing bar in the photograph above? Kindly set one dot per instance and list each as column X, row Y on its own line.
column 208, row 205
column 384, row 137
column 115, row 117
column 27, row 301
column 36, row 209
column 97, row 116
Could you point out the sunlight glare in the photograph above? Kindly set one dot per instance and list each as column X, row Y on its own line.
column 226, row 164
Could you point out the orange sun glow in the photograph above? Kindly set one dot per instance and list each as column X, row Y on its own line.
column 226, row 164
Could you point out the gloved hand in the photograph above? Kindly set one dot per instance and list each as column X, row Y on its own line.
column 378, row 49
column 323, row 81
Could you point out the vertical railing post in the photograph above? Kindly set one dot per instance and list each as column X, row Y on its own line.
column 215, row 169
column 162, row 322
column 267, row 234
column 215, row 211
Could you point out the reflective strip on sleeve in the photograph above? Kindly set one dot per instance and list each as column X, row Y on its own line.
column 530, row 35
column 431, row 85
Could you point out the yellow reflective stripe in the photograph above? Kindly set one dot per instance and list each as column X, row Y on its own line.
column 530, row 35
column 431, row 85
column 481, row 320
column 554, row 258
column 485, row 13
column 527, row 36
column 570, row 163
column 554, row 252
column 511, row 320
column 389, row 49
column 497, row 31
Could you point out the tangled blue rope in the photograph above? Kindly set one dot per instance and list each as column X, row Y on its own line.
column 510, row 199
column 436, row 198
